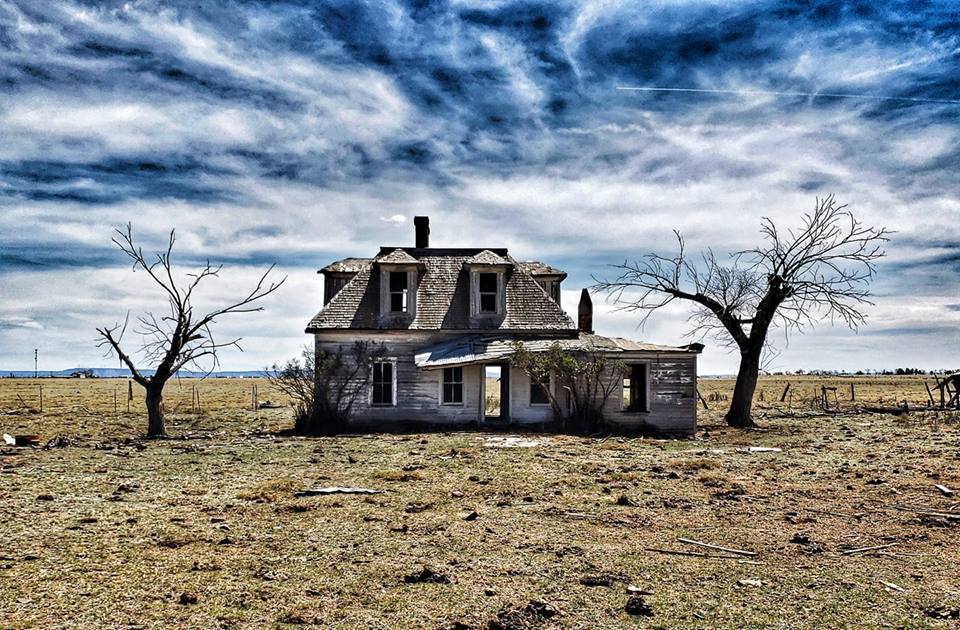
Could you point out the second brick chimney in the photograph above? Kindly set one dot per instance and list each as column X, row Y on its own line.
column 585, row 313
column 422, row 225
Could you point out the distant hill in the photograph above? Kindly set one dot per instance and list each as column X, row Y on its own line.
column 123, row 373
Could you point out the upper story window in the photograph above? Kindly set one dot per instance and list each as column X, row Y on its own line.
column 399, row 292
column 488, row 292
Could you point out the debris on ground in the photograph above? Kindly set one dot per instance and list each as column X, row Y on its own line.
column 945, row 491
column 522, row 618
column 21, row 440
column 512, row 441
column 59, row 441
column 596, row 580
column 761, row 449
column 310, row 492
column 426, row 575
column 626, row 501
column 750, row 582
column 638, row 606
column 187, row 598
column 943, row 612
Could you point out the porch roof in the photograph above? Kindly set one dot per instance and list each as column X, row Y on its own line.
column 473, row 349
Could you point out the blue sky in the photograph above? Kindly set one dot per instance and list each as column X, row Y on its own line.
column 297, row 133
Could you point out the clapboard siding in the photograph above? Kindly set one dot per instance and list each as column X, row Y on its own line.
column 672, row 387
column 672, row 394
column 521, row 411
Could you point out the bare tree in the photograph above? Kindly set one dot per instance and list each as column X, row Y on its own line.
column 589, row 378
column 819, row 271
column 181, row 337
column 325, row 386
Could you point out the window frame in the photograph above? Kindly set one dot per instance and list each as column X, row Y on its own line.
column 495, row 293
column 628, row 407
column 444, row 383
column 530, row 390
column 403, row 293
column 392, row 362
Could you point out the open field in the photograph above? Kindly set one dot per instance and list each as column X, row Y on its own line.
column 204, row 530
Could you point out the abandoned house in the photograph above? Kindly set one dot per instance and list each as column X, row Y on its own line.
column 447, row 319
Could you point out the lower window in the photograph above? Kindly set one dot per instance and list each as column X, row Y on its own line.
column 538, row 394
column 382, row 383
column 452, row 386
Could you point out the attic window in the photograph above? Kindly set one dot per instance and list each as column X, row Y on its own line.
column 488, row 292
column 398, row 292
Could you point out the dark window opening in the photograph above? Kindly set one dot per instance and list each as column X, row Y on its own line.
column 398, row 291
column 635, row 387
column 488, row 292
column 453, row 385
column 383, row 383
column 538, row 394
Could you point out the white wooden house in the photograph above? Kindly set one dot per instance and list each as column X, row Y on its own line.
column 448, row 317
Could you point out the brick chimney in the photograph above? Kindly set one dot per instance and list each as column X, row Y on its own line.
column 585, row 313
column 422, row 224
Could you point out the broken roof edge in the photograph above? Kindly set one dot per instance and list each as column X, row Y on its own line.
column 483, row 348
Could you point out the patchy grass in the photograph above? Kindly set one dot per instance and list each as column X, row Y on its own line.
column 203, row 530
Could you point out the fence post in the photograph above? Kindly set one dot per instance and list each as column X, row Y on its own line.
column 853, row 393
column 114, row 401
column 129, row 394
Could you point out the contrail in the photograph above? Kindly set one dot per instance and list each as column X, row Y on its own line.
column 774, row 93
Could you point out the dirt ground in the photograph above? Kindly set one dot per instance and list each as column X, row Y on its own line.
column 843, row 527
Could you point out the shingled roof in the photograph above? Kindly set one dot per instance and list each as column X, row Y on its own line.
column 486, row 257
column 347, row 265
column 398, row 257
column 443, row 299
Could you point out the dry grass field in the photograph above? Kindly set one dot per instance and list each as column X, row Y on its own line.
column 203, row 530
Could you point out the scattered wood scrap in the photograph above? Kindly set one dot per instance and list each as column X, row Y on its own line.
column 310, row 492
column 739, row 552
column 945, row 491
column 850, row 552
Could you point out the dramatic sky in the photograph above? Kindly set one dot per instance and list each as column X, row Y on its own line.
column 298, row 133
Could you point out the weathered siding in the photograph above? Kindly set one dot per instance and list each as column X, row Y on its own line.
column 418, row 391
column 521, row 411
column 672, row 394
column 672, row 389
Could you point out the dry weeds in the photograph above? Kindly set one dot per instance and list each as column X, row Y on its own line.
column 203, row 530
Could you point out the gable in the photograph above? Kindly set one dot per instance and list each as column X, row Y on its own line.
column 443, row 299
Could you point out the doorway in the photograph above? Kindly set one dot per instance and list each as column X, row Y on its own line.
column 496, row 392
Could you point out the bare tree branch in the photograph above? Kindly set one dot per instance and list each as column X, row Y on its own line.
column 177, row 339
column 794, row 279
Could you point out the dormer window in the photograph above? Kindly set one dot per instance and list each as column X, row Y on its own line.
column 399, row 275
column 488, row 292
column 488, row 271
column 399, row 283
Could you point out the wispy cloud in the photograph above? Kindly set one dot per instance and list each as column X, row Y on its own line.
column 297, row 133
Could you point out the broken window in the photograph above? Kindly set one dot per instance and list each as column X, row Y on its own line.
column 398, row 291
column 538, row 393
column 382, row 383
column 488, row 292
column 635, row 387
column 453, row 386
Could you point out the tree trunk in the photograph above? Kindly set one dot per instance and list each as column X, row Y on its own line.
column 741, row 405
column 155, row 423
